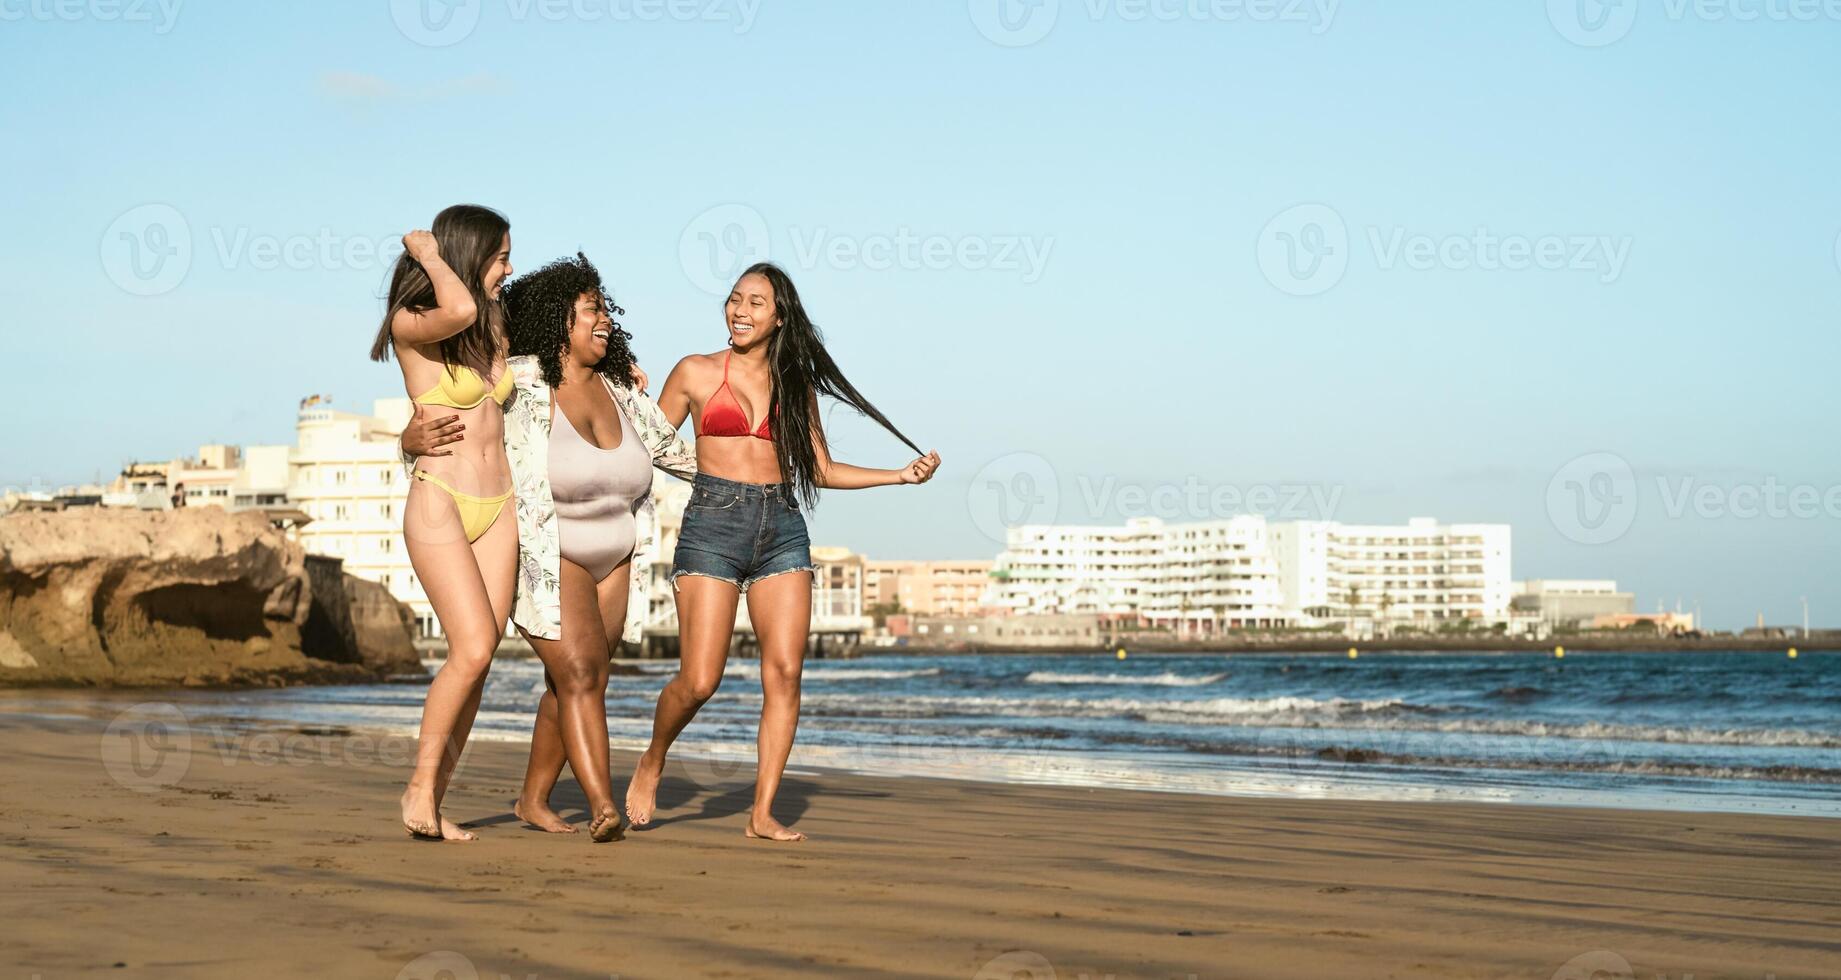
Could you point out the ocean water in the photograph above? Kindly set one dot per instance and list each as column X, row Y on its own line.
column 1755, row 732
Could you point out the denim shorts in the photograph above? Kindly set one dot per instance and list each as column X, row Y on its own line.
column 741, row 533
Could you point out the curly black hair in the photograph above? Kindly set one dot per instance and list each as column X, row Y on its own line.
column 540, row 312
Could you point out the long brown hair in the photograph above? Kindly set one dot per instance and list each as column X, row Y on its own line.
column 801, row 368
column 468, row 236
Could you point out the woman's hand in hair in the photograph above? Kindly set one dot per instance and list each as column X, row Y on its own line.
column 922, row 469
column 640, row 381
column 421, row 246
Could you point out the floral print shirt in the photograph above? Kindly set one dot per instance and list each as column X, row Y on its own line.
column 538, row 606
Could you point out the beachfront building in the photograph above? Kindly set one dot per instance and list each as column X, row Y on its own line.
column 1213, row 576
column 1064, row 570
column 1422, row 572
column 1570, row 602
column 346, row 475
column 927, row 588
column 1194, row 578
column 220, row 476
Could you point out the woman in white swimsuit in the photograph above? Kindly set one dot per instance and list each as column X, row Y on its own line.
column 582, row 444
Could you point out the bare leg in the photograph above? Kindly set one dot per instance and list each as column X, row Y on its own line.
column 547, row 757
column 706, row 623
column 781, row 609
column 578, row 665
column 547, row 753
column 470, row 588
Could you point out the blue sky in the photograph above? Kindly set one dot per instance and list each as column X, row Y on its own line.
column 1078, row 262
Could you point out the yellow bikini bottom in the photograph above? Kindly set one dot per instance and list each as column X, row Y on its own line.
column 477, row 514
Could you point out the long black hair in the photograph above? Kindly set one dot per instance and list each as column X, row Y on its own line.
column 468, row 236
column 801, row 367
column 540, row 312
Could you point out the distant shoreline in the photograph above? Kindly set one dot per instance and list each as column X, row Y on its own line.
column 1580, row 644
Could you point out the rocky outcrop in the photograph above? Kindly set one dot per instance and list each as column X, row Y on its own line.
column 96, row 596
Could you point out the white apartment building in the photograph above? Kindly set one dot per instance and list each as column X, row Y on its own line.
column 1243, row 573
column 1215, row 575
column 1210, row 575
column 1058, row 570
column 345, row 473
column 1419, row 572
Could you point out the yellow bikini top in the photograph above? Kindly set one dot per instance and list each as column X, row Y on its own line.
column 462, row 387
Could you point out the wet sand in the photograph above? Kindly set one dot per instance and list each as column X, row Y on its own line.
column 273, row 856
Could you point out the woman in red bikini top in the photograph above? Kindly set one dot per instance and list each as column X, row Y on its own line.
column 761, row 456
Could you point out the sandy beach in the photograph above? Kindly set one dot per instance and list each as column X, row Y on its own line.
column 279, row 854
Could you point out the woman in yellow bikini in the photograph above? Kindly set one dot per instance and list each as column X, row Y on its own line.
column 446, row 328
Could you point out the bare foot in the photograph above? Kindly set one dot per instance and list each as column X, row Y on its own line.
column 452, row 831
column 420, row 817
column 607, row 826
column 540, row 816
column 767, row 828
column 642, row 792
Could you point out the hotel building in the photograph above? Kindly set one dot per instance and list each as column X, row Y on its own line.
column 1419, row 572
column 928, row 588
column 1193, row 577
column 1243, row 573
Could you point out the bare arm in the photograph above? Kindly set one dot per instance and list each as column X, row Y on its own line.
column 454, row 309
column 674, row 398
column 833, row 475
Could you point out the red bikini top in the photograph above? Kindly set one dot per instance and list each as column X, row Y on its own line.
column 726, row 418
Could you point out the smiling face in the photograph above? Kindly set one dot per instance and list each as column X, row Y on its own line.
column 498, row 269
column 751, row 312
column 589, row 329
